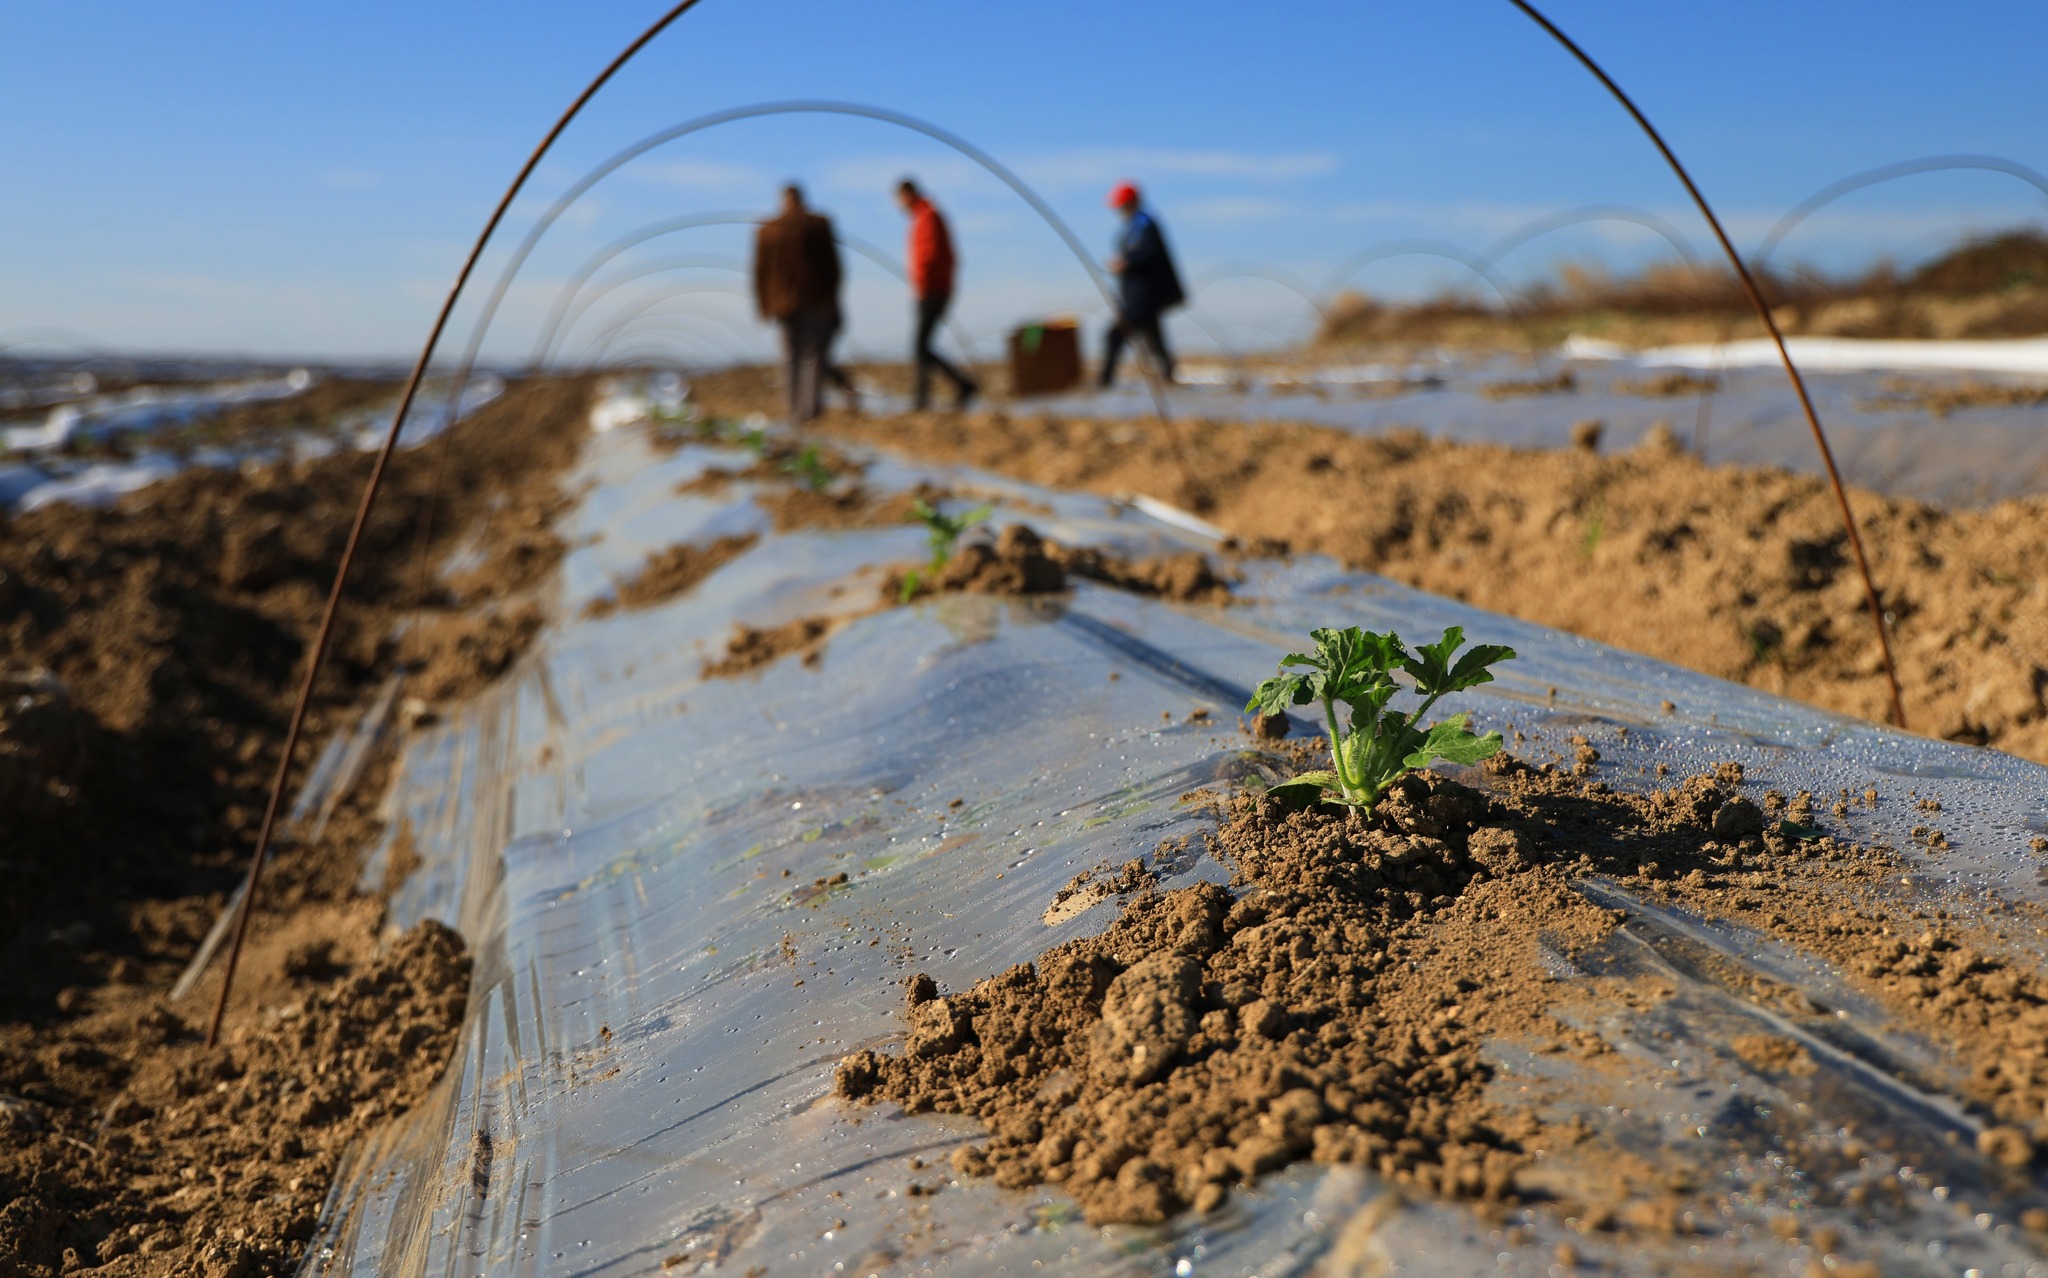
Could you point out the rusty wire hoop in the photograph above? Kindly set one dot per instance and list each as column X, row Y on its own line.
column 571, row 304
column 1763, row 313
column 856, row 110
column 316, row 657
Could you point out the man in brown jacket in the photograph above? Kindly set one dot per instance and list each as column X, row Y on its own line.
column 796, row 284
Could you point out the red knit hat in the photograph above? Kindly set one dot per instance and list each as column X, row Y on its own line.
column 1123, row 193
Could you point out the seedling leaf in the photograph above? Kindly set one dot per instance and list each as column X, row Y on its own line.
column 1453, row 742
column 1375, row 746
column 1306, row 790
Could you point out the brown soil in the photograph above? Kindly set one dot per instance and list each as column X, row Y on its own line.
column 314, row 408
column 1943, row 398
column 1666, row 386
column 1740, row 573
column 750, row 648
column 1020, row 562
column 153, row 1155
column 1562, row 384
column 671, row 573
column 453, row 656
column 1334, row 1005
column 156, row 646
column 257, row 422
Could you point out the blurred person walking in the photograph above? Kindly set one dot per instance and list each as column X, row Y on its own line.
column 796, row 284
column 932, row 270
column 1147, row 284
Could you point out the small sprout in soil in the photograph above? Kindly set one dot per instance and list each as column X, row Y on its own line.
column 810, row 468
column 943, row 533
column 1379, row 746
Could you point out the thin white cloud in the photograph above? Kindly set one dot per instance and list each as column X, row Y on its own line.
column 1230, row 211
column 879, row 174
column 349, row 179
column 1109, row 164
column 705, row 175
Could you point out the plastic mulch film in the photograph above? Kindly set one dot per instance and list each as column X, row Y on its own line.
column 669, row 964
column 1973, row 455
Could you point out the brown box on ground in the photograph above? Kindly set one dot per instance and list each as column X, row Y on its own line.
column 1045, row 357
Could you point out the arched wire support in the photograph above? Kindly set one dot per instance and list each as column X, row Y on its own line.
column 671, row 346
column 653, row 302
column 1317, row 306
column 640, row 271
column 1478, row 266
column 1760, row 260
column 1537, row 228
column 571, row 304
column 63, row 338
column 1533, row 230
column 1153, row 375
column 1365, row 257
column 558, row 311
column 322, row 637
column 1763, row 312
column 717, row 332
column 1229, row 353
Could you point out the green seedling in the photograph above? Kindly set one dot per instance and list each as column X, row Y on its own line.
column 942, row 534
column 1378, row 746
column 809, row 467
column 1596, row 527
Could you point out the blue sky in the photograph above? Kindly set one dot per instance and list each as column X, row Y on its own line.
column 301, row 179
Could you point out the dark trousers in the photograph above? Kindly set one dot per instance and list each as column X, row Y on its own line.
column 1139, row 326
column 807, row 350
column 930, row 310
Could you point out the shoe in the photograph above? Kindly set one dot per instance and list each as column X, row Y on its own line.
column 965, row 397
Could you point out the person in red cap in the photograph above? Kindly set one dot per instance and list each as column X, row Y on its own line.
column 1147, row 284
column 932, row 266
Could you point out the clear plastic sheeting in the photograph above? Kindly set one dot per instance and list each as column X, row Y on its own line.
column 48, row 479
column 146, row 408
column 1972, row 455
column 649, row 867
column 2027, row 355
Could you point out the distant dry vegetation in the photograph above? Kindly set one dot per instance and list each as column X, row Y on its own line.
column 1992, row 287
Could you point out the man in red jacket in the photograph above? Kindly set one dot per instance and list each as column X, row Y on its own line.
column 931, row 283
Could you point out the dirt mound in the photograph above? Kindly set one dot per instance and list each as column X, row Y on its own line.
column 1672, row 385
column 1202, row 1040
column 1561, row 384
column 1186, row 577
column 149, row 654
column 167, row 631
column 217, row 1162
column 1020, row 562
column 1334, row 1006
column 670, row 573
column 751, row 648
column 1739, row 573
column 1017, row 563
column 456, row 655
column 1943, row 398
